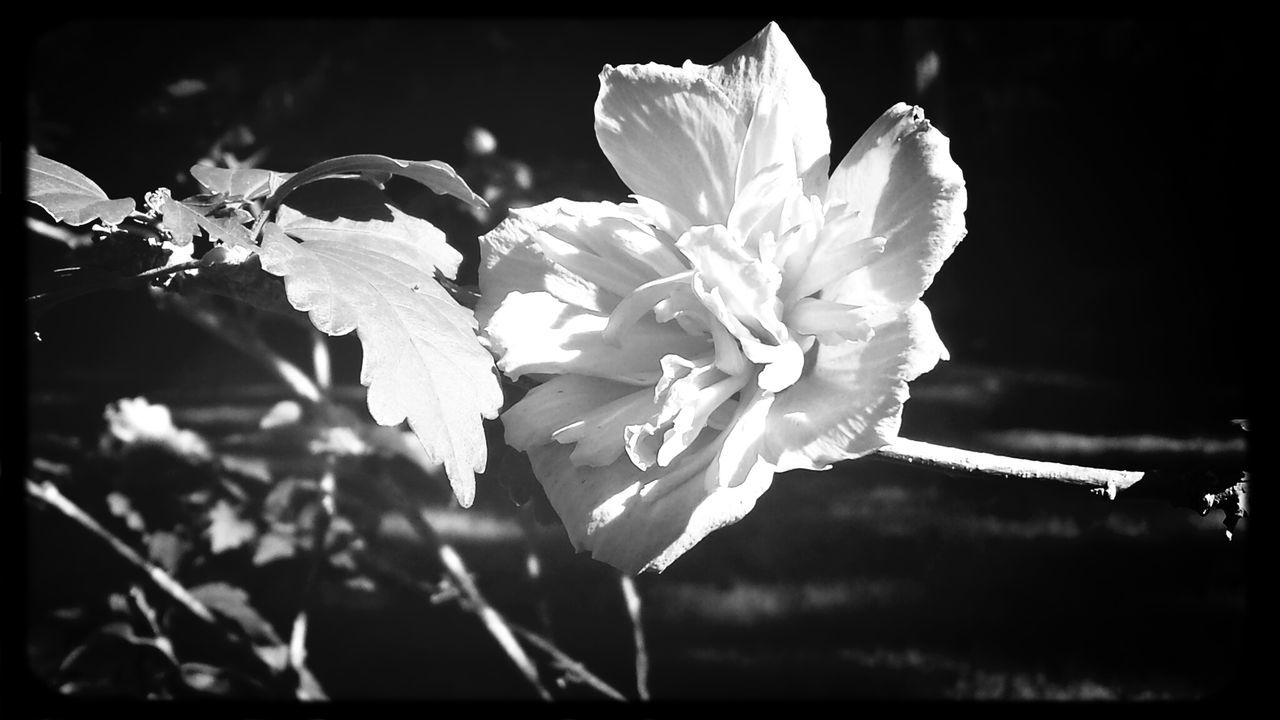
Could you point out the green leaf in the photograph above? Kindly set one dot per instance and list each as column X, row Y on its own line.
column 422, row 360
column 181, row 220
column 70, row 197
column 438, row 176
column 227, row 530
column 233, row 603
column 247, row 183
column 412, row 239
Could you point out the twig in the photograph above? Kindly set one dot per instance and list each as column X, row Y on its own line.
column 298, row 633
column 533, row 568
column 61, row 234
column 144, row 609
column 49, row 494
column 320, row 359
column 573, row 667
column 461, row 578
column 1196, row 487
column 969, row 462
column 642, row 656
column 246, row 342
column 493, row 622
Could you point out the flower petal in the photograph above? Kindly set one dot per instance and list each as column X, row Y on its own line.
column 643, row 520
column 511, row 261
column 768, row 60
column 850, row 402
column 677, row 135
column 900, row 176
column 557, row 404
column 673, row 136
column 538, row 333
column 600, row 435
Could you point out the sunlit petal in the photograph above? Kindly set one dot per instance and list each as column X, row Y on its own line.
column 850, row 402
column 510, row 261
column 901, row 178
column 769, row 60
column 556, row 404
column 672, row 135
column 538, row 333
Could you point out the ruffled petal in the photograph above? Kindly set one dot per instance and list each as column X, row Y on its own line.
column 643, row 520
column 557, row 404
column 849, row 403
column 511, row 261
column 673, row 136
column 901, row 179
column 539, row 333
column 677, row 135
column 769, row 61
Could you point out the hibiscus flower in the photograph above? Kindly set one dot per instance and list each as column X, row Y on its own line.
column 745, row 314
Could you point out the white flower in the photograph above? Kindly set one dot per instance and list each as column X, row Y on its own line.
column 745, row 315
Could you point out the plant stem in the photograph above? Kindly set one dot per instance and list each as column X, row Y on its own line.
column 320, row 360
column 245, row 341
column 458, row 574
column 575, row 668
column 969, row 462
column 320, row 531
column 642, row 656
column 49, row 494
column 493, row 622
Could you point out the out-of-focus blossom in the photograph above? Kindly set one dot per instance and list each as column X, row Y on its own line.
column 134, row 421
column 748, row 313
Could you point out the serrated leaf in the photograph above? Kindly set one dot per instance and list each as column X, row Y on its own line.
column 181, row 220
column 438, row 176
column 422, row 360
column 70, row 197
column 419, row 242
column 247, row 183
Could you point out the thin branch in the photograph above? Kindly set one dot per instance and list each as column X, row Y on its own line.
column 493, row 622
column 48, row 493
column 140, row 604
column 61, row 234
column 969, row 462
column 167, row 270
column 246, row 342
column 575, row 669
column 1197, row 487
column 642, row 656
column 533, row 568
column 458, row 574
column 320, row 531
column 320, row 359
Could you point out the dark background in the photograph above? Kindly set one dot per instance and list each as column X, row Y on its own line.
column 1101, row 310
